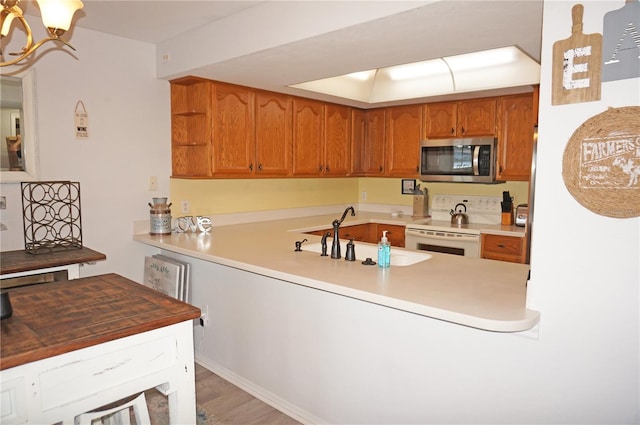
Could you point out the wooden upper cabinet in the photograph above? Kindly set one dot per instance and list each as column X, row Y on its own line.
column 440, row 120
column 274, row 114
column 337, row 136
column 190, row 127
column 233, row 139
column 404, row 132
column 358, row 129
column 368, row 142
column 516, row 121
column 467, row 118
column 308, row 137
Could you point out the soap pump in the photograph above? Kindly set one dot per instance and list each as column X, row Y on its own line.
column 384, row 251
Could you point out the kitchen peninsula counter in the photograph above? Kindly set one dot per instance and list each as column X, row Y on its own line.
column 484, row 294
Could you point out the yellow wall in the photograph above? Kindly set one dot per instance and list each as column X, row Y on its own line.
column 220, row 196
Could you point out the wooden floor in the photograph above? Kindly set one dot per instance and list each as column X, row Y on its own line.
column 232, row 405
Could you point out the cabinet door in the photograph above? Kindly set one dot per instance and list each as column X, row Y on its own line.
column 233, row 130
column 404, row 131
column 515, row 139
column 358, row 134
column 440, row 120
column 337, row 140
column 374, row 158
column 308, row 137
column 273, row 134
column 395, row 234
column 477, row 118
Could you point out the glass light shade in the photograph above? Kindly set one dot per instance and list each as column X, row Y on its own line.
column 58, row 13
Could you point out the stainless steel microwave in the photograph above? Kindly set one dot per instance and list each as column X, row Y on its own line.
column 470, row 160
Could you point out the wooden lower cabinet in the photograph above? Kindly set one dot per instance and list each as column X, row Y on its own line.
column 369, row 233
column 503, row 248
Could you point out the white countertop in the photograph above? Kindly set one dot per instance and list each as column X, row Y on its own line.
column 484, row 294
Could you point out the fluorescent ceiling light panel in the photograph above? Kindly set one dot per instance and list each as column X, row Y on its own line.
column 485, row 70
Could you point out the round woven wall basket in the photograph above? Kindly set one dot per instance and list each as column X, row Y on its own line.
column 601, row 163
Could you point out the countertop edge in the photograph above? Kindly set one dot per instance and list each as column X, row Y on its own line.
column 505, row 326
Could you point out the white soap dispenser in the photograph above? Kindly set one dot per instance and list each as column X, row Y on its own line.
column 384, row 251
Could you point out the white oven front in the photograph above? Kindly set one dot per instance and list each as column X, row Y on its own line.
column 448, row 242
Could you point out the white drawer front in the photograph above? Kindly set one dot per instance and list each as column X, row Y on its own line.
column 86, row 376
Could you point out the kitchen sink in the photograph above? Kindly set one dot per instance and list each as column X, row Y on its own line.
column 399, row 256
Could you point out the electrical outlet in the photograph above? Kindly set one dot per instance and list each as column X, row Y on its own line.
column 185, row 206
column 204, row 316
column 364, row 196
column 3, row 202
column 153, row 183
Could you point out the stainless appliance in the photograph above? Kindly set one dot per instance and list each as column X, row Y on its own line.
column 522, row 215
column 438, row 234
column 470, row 160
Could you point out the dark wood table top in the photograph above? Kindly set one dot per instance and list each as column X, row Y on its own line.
column 22, row 261
column 59, row 317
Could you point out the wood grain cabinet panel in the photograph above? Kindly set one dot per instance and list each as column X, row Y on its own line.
column 516, row 121
column 368, row 142
column 337, row 143
column 274, row 114
column 233, row 139
column 403, row 131
column 467, row 118
column 503, row 248
column 308, row 137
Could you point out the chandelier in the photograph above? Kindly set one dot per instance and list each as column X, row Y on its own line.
column 56, row 17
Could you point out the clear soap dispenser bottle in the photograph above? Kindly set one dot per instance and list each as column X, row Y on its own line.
column 384, row 251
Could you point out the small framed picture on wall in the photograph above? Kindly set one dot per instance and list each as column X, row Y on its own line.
column 408, row 186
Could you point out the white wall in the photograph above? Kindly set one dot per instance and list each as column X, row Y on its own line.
column 129, row 140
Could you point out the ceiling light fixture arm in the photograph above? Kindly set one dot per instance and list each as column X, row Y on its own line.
column 10, row 11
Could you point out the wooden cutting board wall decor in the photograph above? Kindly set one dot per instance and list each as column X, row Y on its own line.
column 601, row 163
column 577, row 63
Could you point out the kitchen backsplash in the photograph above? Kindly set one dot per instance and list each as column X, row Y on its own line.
column 224, row 196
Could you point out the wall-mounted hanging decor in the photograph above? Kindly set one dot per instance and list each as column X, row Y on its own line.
column 621, row 43
column 601, row 163
column 81, row 121
column 576, row 65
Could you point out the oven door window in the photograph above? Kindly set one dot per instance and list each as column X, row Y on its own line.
column 440, row 248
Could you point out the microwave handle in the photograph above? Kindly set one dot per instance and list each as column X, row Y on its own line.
column 476, row 162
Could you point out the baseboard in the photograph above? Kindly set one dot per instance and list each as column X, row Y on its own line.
column 260, row 393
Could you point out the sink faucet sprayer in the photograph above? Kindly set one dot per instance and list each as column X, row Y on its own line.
column 335, row 248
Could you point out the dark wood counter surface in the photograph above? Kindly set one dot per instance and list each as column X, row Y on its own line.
column 59, row 317
column 21, row 261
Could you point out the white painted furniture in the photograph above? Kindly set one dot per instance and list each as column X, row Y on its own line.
column 73, row 346
column 118, row 415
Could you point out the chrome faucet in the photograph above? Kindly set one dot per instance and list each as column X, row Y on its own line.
column 335, row 248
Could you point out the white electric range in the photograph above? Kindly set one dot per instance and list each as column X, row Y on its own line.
column 437, row 234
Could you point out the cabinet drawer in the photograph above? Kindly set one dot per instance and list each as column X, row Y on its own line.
column 505, row 248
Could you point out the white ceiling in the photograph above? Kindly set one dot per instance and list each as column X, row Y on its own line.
column 435, row 29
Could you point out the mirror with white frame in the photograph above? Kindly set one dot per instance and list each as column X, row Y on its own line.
column 18, row 140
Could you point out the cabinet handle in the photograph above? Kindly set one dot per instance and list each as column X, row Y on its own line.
column 462, row 130
column 326, row 169
column 500, row 245
column 251, row 166
column 320, row 168
column 453, row 130
column 260, row 167
column 381, row 168
column 417, row 168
